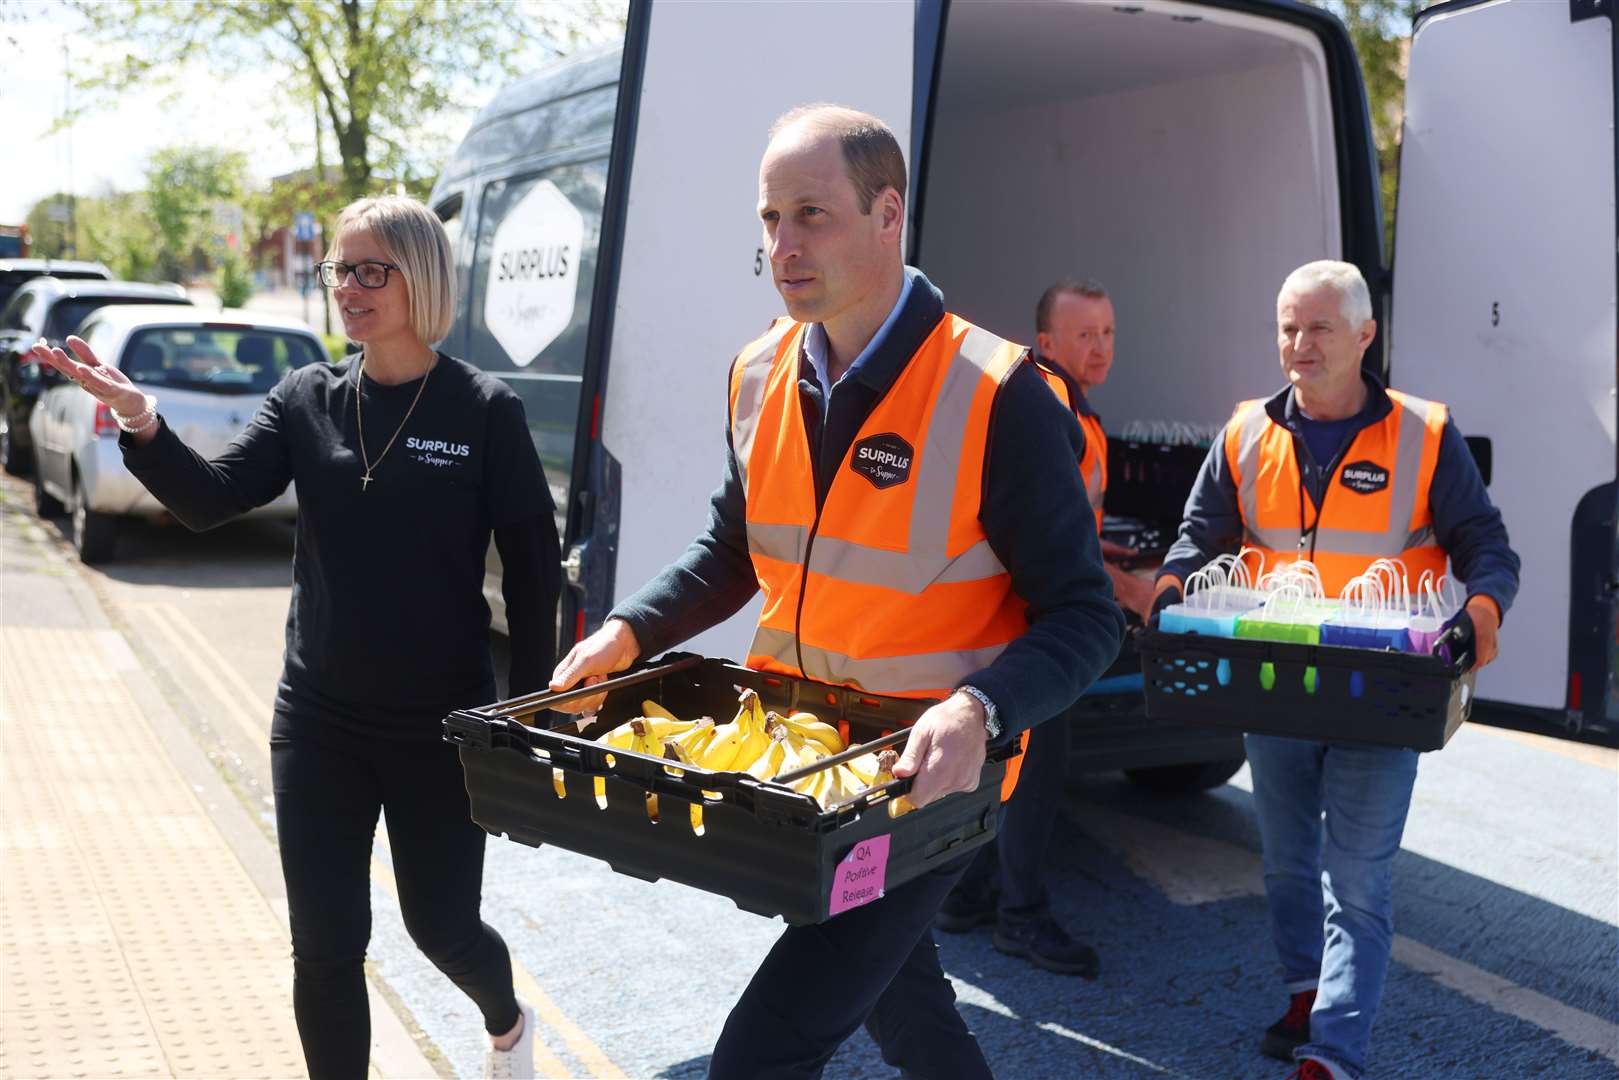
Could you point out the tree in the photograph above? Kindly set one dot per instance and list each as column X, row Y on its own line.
column 48, row 225
column 1381, row 31
column 117, row 229
column 375, row 71
column 184, row 185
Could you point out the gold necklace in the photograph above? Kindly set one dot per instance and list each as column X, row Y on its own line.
column 359, row 419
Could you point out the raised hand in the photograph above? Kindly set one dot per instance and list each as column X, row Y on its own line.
column 102, row 381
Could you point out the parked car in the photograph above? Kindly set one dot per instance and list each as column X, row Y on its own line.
column 210, row 372
column 13, row 272
column 51, row 308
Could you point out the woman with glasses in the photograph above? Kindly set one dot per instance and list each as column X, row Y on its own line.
column 406, row 461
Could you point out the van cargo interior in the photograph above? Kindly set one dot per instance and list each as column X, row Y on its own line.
column 1096, row 140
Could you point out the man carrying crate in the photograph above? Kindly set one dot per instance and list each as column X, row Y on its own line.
column 1398, row 481
column 1074, row 331
column 901, row 486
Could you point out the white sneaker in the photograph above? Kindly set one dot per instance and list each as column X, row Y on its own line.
column 518, row 1062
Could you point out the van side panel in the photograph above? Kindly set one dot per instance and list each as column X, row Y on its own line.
column 1504, row 293
column 695, row 283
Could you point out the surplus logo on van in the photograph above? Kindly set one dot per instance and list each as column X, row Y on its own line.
column 884, row 459
column 1364, row 477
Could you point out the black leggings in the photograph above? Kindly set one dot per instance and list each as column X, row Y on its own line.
column 326, row 805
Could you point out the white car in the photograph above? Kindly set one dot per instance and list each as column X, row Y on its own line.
column 210, row 371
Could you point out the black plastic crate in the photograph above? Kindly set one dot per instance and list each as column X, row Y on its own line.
column 1359, row 695
column 1150, row 480
column 770, row 849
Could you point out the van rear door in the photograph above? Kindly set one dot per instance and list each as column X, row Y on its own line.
column 702, row 83
column 1504, row 308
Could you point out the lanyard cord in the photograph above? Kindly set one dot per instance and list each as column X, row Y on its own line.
column 1315, row 530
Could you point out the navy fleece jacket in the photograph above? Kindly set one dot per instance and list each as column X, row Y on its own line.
column 1466, row 523
column 1034, row 513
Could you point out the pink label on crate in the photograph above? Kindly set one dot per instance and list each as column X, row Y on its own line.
column 859, row 877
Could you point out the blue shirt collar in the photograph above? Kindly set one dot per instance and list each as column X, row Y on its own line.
column 815, row 339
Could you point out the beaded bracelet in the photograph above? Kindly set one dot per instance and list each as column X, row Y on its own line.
column 134, row 425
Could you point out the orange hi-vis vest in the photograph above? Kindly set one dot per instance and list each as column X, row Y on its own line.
column 891, row 586
column 1376, row 502
column 1093, row 463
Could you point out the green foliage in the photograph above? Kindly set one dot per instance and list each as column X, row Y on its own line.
column 374, row 72
column 274, row 207
column 115, row 228
column 184, row 185
column 1381, row 31
column 337, row 346
column 235, row 281
column 118, row 230
column 50, row 235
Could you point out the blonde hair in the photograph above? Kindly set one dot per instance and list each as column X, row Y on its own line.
column 412, row 237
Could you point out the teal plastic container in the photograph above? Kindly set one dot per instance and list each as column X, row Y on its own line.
column 1185, row 619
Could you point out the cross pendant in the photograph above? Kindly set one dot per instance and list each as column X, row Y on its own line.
column 365, row 481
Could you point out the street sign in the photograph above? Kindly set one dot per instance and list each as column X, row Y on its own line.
column 534, row 273
column 303, row 226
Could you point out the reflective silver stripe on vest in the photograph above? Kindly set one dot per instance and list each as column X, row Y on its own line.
column 784, row 543
column 1397, row 537
column 750, row 396
column 886, row 674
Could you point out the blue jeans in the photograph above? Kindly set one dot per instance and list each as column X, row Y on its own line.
column 1330, row 820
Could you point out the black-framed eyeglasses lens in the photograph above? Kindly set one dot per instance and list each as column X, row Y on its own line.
column 370, row 274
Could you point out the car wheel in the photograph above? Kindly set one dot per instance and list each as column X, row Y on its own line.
column 46, row 505
column 12, row 460
column 1197, row 776
column 94, row 535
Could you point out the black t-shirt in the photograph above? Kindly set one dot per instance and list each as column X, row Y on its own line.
column 388, row 627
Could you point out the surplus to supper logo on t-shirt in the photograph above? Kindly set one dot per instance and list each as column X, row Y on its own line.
column 438, row 452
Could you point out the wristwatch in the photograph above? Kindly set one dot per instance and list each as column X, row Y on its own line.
column 992, row 720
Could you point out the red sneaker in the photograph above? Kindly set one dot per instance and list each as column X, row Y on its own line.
column 1292, row 1030
column 1310, row 1069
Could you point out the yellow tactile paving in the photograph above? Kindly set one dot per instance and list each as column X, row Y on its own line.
column 134, row 943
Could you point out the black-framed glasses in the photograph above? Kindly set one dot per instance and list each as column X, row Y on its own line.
column 370, row 273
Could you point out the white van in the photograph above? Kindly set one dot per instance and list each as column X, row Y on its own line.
column 1188, row 153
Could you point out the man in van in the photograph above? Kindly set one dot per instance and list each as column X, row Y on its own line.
column 901, row 485
column 1005, row 885
column 1337, row 469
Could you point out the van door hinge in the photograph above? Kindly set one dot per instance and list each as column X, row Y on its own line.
column 574, row 565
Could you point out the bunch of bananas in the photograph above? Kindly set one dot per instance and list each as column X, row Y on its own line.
column 762, row 744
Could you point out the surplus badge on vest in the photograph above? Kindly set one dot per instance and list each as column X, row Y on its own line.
column 884, row 459
column 1364, row 477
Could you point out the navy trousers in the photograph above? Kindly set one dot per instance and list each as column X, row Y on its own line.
column 1016, row 860
column 876, row 965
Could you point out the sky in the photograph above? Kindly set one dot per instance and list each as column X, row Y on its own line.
column 108, row 149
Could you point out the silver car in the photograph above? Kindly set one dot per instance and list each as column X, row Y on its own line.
column 210, row 371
